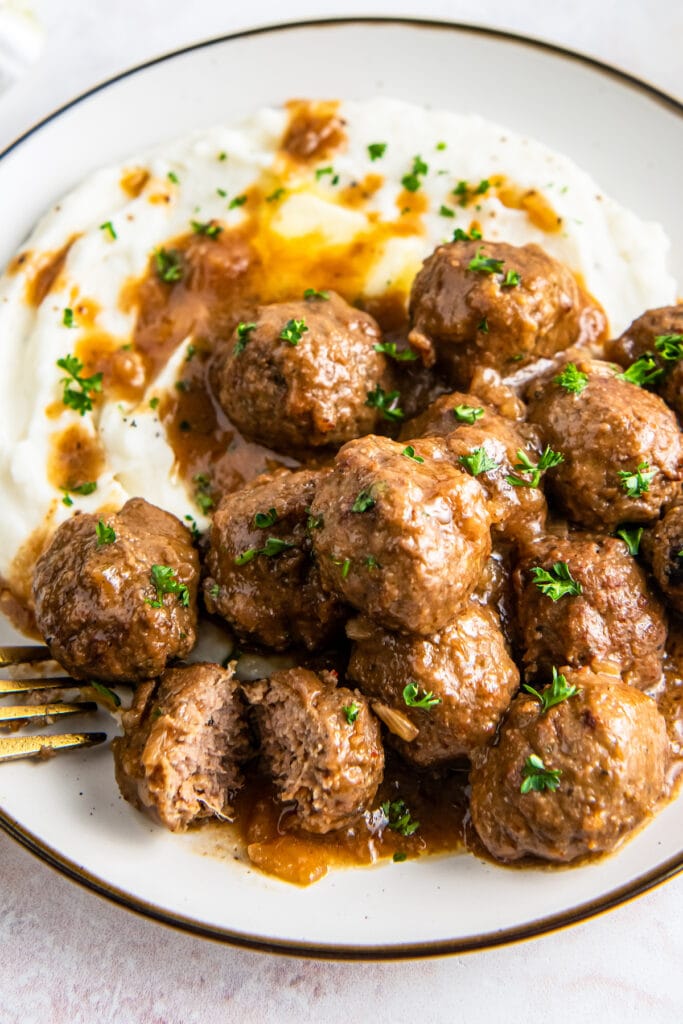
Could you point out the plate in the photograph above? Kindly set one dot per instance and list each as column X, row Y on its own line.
column 68, row 811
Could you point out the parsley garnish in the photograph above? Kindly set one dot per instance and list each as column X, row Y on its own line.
column 237, row 201
column 440, row 146
column 377, row 150
column 351, row 712
column 172, row 176
column 483, row 187
column 293, row 331
column 537, row 777
column 202, row 495
column 398, row 817
column 399, row 856
column 670, row 346
column 409, row 453
column 193, row 528
column 478, row 462
column 485, row 264
column 109, row 228
column 322, row 171
column 386, row 402
column 445, row 211
column 635, row 484
column 314, row 522
column 364, row 502
column 553, row 694
column 312, row 293
column 273, row 546
column 411, row 182
column 346, row 565
column 87, row 488
column 222, row 156
column 277, row 194
column 372, row 563
column 462, row 236
column 483, row 326
column 208, row 228
column 388, row 348
column 78, row 391
column 557, row 582
column 631, row 536
column 66, row 500
column 572, row 379
column 512, row 279
column 644, row 371
column 467, row 413
column 215, row 590
column 105, row 692
column 105, row 534
column 243, row 332
column 222, row 193
column 68, row 317
column 154, row 402
column 412, row 698
column 169, row 266
column 264, row 520
column 535, row 471
column 164, row 582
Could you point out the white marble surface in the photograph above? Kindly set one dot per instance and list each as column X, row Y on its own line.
column 65, row 955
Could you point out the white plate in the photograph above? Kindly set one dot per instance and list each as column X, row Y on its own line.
column 630, row 138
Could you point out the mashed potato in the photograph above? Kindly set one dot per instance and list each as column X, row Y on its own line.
column 351, row 196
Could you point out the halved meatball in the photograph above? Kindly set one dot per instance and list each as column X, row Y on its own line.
column 609, row 748
column 478, row 304
column 401, row 534
column 616, row 618
column 300, row 375
column 622, row 448
column 184, row 741
column 261, row 577
column 116, row 595
column 663, row 549
column 464, row 671
column 651, row 334
column 322, row 745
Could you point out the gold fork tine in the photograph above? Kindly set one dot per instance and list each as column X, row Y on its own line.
column 10, row 687
column 20, row 713
column 14, row 747
column 21, row 655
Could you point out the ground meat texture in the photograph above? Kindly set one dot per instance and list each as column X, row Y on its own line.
column 401, row 540
column 608, row 742
column 326, row 759
column 97, row 605
column 607, row 428
column 185, row 739
column 616, row 618
column 305, row 393
column 273, row 599
column 662, row 546
column 641, row 339
column 466, row 667
column 467, row 318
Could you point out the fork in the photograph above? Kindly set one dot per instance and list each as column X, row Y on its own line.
column 14, row 747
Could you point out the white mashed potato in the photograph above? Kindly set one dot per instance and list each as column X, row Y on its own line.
column 620, row 260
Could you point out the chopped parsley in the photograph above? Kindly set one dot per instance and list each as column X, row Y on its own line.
column 485, row 264
column 346, row 565
column 372, row 563
column 483, row 327
column 631, row 536
column 87, row 488
column 215, row 590
column 105, row 692
column 312, row 293
column 172, row 176
column 243, row 331
column 364, row 501
column 351, row 712
column 273, row 546
column 557, row 582
column 202, row 494
column 635, row 484
column 222, row 193
column 511, row 280
column 537, row 777
column 446, row 211
column 399, row 818
column 388, row 348
column 322, row 171
column 154, row 402
column 399, row 856
column 462, row 236
column 105, row 534
column 643, row 372
column 409, row 453
column 572, row 379
column 275, row 195
column 478, row 462
column 208, row 228
column 264, row 520
column 467, row 413
column 193, row 528
column 553, row 694
column 68, row 317
column 533, row 471
column 376, row 150
column 222, row 156
column 109, row 228
column 78, row 390
column 314, row 522
column 237, row 201
column 412, row 698
column 293, row 332
column 670, row 346
column 168, row 264
column 412, row 181
column 164, row 582
column 386, row 402
column 440, row 146
column 66, row 500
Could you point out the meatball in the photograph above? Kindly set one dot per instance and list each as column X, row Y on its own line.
column 261, row 577
column 486, row 304
column 465, row 669
column 184, row 741
column 608, row 745
column 321, row 744
column 301, row 378
column 116, row 596
column 651, row 334
column 663, row 549
column 615, row 618
column 402, row 537
column 621, row 445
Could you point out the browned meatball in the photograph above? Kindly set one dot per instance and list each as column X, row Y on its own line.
column 470, row 310
column 311, row 390
column 260, row 574
column 322, row 745
column 608, row 742
column 403, row 539
column 465, row 668
column 117, row 601
column 651, row 334
column 621, row 445
column 615, row 618
column 184, row 741
column 663, row 549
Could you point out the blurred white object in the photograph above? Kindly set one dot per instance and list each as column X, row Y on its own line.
column 21, row 40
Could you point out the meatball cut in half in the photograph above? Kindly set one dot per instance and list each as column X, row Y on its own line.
column 573, row 779
column 654, row 342
column 184, row 741
column 479, row 304
column 261, row 577
column 116, row 596
column 622, row 449
column 454, row 687
column 299, row 376
column 663, row 549
column 584, row 600
column 321, row 744
column 400, row 533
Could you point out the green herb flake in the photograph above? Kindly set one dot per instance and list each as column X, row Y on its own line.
column 66, row 500
column 533, row 471
column 371, row 562
column 559, row 690
column 413, row 699
column 154, row 402
column 412, row 181
column 376, row 150
column 478, row 462
column 387, row 403
column 637, row 483
column 202, row 495
column 364, row 501
column 631, row 536
column 314, row 522
column 208, row 228
column 511, row 280
column 670, row 346
column 409, row 453
column 572, row 379
column 164, row 582
column 193, row 528
column 89, row 487
column 440, row 146
column 237, row 201
column 105, row 534
column 643, row 372
column 485, row 264
column 172, row 176
column 293, row 332
column 346, row 566
column 275, row 195
column 399, row 818
column 351, row 712
column 168, row 264
column 322, row 171
column 68, row 317
column 537, row 778
column 273, row 547
column 77, row 390
column 215, row 590
column 222, row 156
column 311, row 294
column 483, row 327
column 264, row 520
column 446, row 211
column 399, row 856
column 556, row 583
column 222, row 193
column 467, row 413
column 104, row 691
column 388, row 348
column 109, row 228
column 242, row 331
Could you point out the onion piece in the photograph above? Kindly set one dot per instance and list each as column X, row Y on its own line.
column 395, row 721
